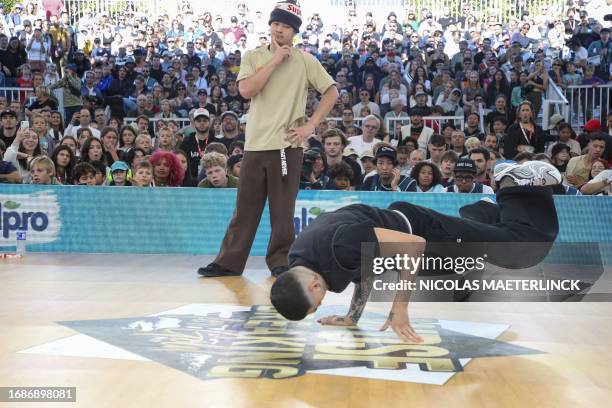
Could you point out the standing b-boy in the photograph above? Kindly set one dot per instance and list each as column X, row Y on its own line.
column 276, row 79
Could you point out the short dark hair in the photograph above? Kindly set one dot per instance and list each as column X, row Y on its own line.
column 340, row 169
column 236, row 144
column 288, row 297
column 480, row 150
column 449, row 155
column 437, row 140
column 131, row 155
column 597, row 136
column 501, row 119
column 82, row 169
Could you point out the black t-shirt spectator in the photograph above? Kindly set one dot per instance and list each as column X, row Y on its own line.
column 158, row 74
column 13, row 60
column 227, row 142
column 7, row 140
column 194, row 153
column 517, row 137
column 357, row 178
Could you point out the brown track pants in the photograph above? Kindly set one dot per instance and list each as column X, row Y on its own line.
column 261, row 179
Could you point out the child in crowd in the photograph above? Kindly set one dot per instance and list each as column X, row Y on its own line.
column 143, row 174
column 42, row 170
column 84, row 174
column 119, row 172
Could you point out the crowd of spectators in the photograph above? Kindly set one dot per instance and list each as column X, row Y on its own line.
column 428, row 102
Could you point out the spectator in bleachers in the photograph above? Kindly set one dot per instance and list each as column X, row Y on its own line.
column 42, row 171
column 46, row 141
column 64, row 160
column 194, row 144
column 365, row 102
column 578, row 168
column 8, row 172
column 464, row 175
column 600, row 179
column 71, row 86
column 416, row 130
column 230, row 129
column 334, row 142
column 427, row 177
column 22, row 150
column 472, row 126
column 8, row 132
column 215, row 166
column 524, row 135
column 387, row 177
column 119, row 174
column 560, row 156
column 84, row 174
column 370, row 125
column 234, row 164
column 167, row 170
column 143, row 174
column 447, row 166
column 435, row 149
column 480, row 157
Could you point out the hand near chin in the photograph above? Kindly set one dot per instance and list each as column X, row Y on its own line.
column 335, row 320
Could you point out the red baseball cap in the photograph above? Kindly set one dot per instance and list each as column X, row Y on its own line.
column 592, row 125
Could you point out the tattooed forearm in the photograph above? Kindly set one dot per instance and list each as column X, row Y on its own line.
column 360, row 298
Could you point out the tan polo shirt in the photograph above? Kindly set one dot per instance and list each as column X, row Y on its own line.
column 281, row 104
column 578, row 166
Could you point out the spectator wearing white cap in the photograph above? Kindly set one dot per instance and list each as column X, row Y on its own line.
column 195, row 143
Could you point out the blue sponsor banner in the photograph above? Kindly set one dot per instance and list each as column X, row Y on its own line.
column 193, row 221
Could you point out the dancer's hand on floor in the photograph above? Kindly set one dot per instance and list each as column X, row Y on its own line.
column 337, row 321
column 400, row 323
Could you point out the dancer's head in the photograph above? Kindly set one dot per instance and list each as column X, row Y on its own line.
column 298, row 292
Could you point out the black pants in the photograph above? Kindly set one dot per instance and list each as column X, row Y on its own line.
column 518, row 232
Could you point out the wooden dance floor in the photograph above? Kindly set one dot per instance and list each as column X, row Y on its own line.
column 130, row 330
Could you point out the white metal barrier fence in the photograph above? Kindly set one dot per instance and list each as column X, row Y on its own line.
column 25, row 96
column 181, row 122
column 390, row 123
column 586, row 102
column 555, row 102
column 435, row 122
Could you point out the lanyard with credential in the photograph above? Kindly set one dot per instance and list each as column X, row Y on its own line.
column 528, row 138
column 198, row 145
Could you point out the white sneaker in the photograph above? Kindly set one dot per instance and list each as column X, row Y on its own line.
column 531, row 173
column 544, row 174
column 521, row 176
